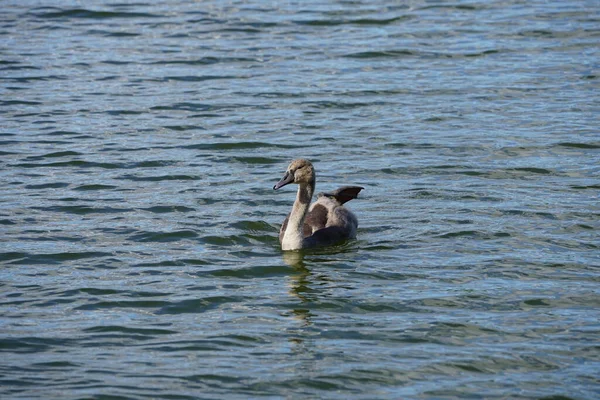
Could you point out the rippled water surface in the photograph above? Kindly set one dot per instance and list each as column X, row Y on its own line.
column 139, row 143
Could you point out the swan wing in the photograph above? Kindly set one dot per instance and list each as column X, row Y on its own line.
column 343, row 194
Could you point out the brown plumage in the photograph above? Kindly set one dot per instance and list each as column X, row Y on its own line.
column 326, row 222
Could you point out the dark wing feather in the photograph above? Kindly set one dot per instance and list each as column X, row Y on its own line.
column 316, row 219
column 344, row 194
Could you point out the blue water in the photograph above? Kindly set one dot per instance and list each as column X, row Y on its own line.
column 139, row 143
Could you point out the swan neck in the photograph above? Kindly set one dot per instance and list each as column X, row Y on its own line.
column 294, row 234
column 305, row 193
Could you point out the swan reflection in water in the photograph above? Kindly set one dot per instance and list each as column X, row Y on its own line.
column 299, row 285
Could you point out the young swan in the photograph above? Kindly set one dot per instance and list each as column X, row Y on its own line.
column 326, row 222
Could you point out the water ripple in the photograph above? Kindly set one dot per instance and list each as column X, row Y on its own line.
column 140, row 143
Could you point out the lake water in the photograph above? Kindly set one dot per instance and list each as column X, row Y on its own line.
column 139, row 143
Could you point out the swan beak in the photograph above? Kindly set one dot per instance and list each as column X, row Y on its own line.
column 287, row 178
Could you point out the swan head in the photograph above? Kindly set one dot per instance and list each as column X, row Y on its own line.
column 300, row 172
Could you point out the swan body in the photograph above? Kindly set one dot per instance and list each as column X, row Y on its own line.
column 324, row 222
